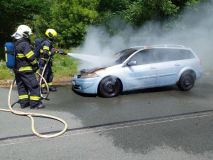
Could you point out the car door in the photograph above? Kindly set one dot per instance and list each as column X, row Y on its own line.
column 168, row 66
column 141, row 71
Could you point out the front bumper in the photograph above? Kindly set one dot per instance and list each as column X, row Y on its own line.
column 85, row 85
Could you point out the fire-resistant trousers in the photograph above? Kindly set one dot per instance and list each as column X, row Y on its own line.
column 28, row 89
column 48, row 74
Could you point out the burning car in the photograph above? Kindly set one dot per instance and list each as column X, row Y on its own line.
column 142, row 67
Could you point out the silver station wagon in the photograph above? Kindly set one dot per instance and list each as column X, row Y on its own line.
column 139, row 68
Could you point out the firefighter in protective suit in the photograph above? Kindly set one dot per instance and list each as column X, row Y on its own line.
column 25, row 68
column 46, row 54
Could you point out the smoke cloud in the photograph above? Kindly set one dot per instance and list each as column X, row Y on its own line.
column 193, row 29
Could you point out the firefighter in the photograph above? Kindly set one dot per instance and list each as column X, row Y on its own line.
column 25, row 68
column 46, row 55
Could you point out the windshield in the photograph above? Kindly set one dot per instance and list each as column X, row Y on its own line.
column 123, row 55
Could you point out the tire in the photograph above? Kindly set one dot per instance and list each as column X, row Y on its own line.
column 109, row 87
column 187, row 81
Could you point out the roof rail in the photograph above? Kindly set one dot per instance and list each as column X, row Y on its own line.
column 159, row 45
column 137, row 47
column 168, row 45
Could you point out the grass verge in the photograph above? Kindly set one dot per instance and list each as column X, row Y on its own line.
column 64, row 67
column 5, row 73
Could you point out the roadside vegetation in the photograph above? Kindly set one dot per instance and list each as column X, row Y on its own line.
column 64, row 67
column 5, row 73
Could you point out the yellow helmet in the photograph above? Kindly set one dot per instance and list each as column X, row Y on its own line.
column 51, row 33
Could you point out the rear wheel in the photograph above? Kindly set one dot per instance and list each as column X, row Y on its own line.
column 109, row 87
column 186, row 81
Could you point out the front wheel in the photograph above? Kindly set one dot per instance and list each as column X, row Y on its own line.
column 186, row 81
column 109, row 87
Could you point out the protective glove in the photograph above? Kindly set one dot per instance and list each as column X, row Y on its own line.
column 53, row 51
column 60, row 51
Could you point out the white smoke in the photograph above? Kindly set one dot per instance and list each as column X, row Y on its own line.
column 193, row 29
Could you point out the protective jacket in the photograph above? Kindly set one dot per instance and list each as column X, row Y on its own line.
column 25, row 57
column 46, row 52
column 46, row 55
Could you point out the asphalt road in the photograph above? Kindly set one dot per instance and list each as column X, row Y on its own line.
column 162, row 123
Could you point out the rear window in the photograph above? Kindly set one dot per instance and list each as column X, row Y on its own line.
column 162, row 55
column 157, row 55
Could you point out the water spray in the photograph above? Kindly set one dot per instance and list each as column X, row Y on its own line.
column 92, row 60
column 84, row 57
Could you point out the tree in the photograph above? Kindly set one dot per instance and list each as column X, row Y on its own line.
column 70, row 19
column 15, row 12
column 137, row 12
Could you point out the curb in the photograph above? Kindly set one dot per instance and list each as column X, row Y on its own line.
column 6, row 83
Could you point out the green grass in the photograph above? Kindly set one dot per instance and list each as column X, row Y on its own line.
column 5, row 73
column 63, row 67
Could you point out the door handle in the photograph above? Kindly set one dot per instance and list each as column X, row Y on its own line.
column 177, row 65
column 152, row 68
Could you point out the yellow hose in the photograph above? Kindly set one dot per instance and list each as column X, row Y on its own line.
column 31, row 115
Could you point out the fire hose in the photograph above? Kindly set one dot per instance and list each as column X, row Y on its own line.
column 31, row 114
column 41, row 78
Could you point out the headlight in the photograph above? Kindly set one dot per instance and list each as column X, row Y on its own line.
column 89, row 75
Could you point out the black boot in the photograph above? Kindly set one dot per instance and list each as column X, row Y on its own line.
column 43, row 91
column 39, row 106
column 53, row 89
column 24, row 105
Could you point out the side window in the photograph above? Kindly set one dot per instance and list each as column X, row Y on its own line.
column 143, row 57
column 164, row 55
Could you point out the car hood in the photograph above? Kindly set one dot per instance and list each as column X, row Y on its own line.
column 100, row 70
column 92, row 70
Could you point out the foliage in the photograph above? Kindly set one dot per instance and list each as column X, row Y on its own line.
column 144, row 10
column 15, row 12
column 70, row 19
column 5, row 72
column 138, row 12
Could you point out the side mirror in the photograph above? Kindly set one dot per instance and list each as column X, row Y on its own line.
column 131, row 63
